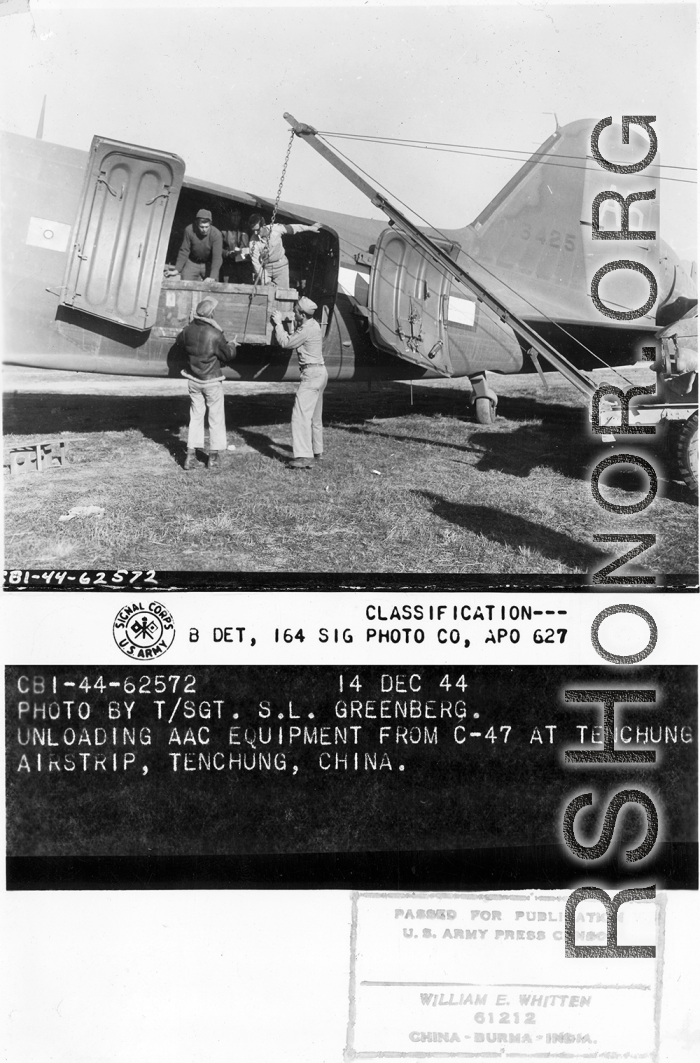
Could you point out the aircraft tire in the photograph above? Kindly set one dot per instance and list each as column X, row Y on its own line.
column 485, row 410
column 687, row 452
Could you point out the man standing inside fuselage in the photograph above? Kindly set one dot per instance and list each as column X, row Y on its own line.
column 307, row 423
column 236, row 266
column 202, row 251
column 267, row 253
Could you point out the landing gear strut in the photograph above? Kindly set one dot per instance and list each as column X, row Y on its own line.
column 483, row 399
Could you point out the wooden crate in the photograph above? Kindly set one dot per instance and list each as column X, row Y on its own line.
column 242, row 310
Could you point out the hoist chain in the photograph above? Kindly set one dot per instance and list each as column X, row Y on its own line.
column 266, row 239
column 284, row 172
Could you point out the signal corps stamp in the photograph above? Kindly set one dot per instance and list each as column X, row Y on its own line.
column 144, row 631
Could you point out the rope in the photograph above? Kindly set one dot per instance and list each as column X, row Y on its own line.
column 472, row 147
column 481, row 151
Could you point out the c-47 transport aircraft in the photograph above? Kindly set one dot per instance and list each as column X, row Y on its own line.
column 87, row 238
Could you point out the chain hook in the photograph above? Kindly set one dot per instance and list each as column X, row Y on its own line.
column 284, row 173
column 263, row 258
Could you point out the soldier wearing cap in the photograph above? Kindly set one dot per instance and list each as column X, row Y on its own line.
column 267, row 253
column 202, row 250
column 207, row 350
column 307, row 424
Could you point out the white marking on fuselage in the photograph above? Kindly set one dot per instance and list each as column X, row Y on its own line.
column 52, row 235
column 354, row 282
column 461, row 311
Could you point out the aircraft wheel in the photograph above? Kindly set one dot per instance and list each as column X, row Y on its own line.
column 485, row 410
column 687, row 452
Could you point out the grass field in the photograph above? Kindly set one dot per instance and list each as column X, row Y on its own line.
column 404, row 487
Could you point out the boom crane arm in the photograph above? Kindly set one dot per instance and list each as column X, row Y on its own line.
column 443, row 261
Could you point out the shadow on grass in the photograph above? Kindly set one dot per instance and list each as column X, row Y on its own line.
column 265, row 445
column 514, row 453
column 351, row 403
column 524, row 408
column 529, row 447
column 515, row 532
column 169, row 439
column 560, row 441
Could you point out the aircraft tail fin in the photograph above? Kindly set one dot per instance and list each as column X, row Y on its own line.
column 516, row 180
column 536, row 234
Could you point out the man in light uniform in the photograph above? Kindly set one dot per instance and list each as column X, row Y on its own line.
column 267, row 253
column 307, row 424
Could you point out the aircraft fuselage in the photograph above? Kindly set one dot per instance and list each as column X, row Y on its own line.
column 385, row 313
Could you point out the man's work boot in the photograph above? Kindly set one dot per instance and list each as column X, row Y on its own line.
column 300, row 463
column 190, row 461
column 215, row 461
column 318, row 457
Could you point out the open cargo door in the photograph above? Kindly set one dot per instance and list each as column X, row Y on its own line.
column 408, row 299
column 115, row 265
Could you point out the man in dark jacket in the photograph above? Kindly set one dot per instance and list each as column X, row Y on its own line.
column 207, row 350
column 202, row 250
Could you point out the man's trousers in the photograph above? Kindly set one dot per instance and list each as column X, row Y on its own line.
column 276, row 273
column 194, row 271
column 307, row 424
column 206, row 396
